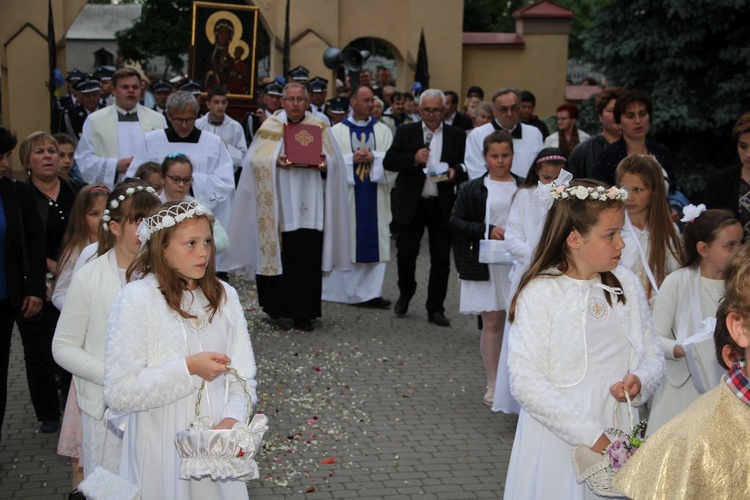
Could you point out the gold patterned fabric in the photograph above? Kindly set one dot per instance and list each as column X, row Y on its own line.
column 703, row 453
column 263, row 164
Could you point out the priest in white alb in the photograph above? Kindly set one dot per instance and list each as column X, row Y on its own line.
column 213, row 172
column 112, row 135
column 290, row 224
column 363, row 142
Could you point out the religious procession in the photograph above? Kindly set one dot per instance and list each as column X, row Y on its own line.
column 216, row 283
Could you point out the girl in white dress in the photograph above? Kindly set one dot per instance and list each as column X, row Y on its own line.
column 686, row 298
column 525, row 222
column 82, row 230
column 78, row 344
column 480, row 213
column 652, row 242
column 169, row 331
column 581, row 336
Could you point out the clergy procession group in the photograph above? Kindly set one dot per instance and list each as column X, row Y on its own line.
column 606, row 272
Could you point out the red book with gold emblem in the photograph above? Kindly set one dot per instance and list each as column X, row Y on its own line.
column 303, row 144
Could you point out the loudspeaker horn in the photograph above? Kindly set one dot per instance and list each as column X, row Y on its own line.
column 353, row 59
column 332, row 58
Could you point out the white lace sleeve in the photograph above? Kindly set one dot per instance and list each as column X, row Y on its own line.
column 530, row 383
column 133, row 378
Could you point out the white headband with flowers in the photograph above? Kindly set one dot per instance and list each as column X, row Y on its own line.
column 168, row 217
column 106, row 218
column 564, row 192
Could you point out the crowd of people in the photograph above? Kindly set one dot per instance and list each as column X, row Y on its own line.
column 586, row 268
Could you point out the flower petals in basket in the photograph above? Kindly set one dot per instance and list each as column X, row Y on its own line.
column 598, row 470
column 221, row 453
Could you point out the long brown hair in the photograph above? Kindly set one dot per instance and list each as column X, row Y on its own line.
column 662, row 235
column 77, row 233
column 151, row 260
column 565, row 216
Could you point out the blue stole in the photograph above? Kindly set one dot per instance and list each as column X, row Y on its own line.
column 365, row 195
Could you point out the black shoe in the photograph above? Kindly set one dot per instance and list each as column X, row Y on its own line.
column 402, row 306
column 438, row 318
column 376, row 303
column 304, row 324
column 49, row 426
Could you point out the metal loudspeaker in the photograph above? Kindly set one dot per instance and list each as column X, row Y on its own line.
column 352, row 58
column 332, row 58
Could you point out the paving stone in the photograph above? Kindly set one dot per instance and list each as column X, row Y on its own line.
column 396, row 401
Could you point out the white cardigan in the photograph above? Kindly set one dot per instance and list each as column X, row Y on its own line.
column 78, row 345
column 547, row 351
column 144, row 363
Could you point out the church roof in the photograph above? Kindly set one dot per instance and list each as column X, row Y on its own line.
column 101, row 21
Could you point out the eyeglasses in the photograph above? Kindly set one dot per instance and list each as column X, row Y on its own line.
column 297, row 100
column 180, row 180
column 506, row 109
column 432, row 111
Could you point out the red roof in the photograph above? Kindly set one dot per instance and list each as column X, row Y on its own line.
column 492, row 39
column 543, row 9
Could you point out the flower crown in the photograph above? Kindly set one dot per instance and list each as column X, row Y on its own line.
column 168, row 217
column 564, row 192
column 116, row 203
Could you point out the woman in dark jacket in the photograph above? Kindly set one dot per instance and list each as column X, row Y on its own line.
column 54, row 197
column 730, row 189
column 480, row 213
column 22, row 270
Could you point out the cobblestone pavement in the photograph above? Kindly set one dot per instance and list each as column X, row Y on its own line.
column 369, row 405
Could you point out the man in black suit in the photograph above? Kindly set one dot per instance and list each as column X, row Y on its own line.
column 422, row 203
column 88, row 102
column 451, row 115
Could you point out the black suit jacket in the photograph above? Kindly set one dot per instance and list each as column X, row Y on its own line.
column 462, row 121
column 17, row 197
column 410, row 182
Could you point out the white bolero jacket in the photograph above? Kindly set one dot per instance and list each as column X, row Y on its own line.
column 144, row 362
column 547, row 352
column 78, row 345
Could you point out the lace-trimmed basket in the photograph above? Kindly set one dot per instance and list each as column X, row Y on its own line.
column 221, row 454
column 593, row 468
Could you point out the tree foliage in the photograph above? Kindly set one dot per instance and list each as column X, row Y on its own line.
column 693, row 58
column 162, row 30
column 493, row 16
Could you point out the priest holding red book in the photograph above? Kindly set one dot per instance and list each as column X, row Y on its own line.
column 289, row 226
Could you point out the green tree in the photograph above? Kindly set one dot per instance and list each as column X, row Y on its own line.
column 162, row 30
column 693, row 58
column 492, row 16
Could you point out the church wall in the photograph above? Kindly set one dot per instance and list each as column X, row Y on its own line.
column 539, row 66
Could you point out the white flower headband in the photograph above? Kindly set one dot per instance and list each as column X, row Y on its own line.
column 168, row 217
column 691, row 212
column 564, row 192
column 116, row 203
